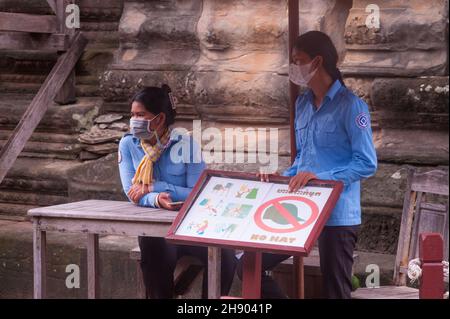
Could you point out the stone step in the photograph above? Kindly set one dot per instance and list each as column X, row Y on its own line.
column 13, row 84
column 15, row 212
column 33, row 182
column 60, row 119
column 57, row 134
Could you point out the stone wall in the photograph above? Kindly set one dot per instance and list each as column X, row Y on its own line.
column 227, row 63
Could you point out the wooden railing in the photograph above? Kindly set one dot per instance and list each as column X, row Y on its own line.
column 41, row 32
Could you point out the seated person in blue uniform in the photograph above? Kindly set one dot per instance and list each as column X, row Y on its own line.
column 155, row 174
column 334, row 142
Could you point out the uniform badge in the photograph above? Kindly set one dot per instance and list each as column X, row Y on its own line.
column 362, row 120
column 119, row 157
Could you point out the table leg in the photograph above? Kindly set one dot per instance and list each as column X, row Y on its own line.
column 251, row 275
column 214, row 275
column 93, row 266
column 299, row 277
column 40, row 261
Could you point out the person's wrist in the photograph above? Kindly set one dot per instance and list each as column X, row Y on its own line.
column 157, row 204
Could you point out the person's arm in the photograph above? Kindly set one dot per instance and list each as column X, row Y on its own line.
column 127, row 171
column 292, row 170
column 364, row 158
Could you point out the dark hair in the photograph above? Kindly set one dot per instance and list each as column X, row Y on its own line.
column 157, row 100
column 315, row 43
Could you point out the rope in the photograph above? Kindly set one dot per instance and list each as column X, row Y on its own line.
column 415, row 272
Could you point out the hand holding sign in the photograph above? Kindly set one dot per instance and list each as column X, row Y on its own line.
column 300, row 180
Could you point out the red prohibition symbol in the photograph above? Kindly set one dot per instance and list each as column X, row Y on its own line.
column 295, row 225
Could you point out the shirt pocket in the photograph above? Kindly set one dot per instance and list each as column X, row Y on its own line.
column 328, row 135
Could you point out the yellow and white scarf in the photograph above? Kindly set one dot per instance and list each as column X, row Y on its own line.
column 144, row 172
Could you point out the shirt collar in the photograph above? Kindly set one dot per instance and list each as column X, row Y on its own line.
column 331, row 93
column 334, row 89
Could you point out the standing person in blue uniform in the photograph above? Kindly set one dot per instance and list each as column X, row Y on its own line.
column 334, row 142
column 155, row 174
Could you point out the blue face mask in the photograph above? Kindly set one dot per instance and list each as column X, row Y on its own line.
column 140, row 128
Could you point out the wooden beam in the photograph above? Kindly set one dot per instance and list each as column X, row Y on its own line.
column 52, row 4
column 67, row 94
column 61, row 6
column 299, row 277
column 294, row 31
column 214, row 272
column 39, row 261
column 23, row 22
column 93, row 257
column 251, row 275
column 33, row 41
column 40, row 103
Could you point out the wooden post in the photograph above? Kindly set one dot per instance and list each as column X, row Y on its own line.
column 294, row 22
column 431, row 249
column 39, row 261
column 214, row 273
column 251, row 275
column 67, row 93
column 299, row 277
column 93, row 266
column 294, row 25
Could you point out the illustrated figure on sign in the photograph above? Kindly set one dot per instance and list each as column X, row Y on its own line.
column 202, row 227
column 237, row 210
column 226, row 229
column 222, row 190
column 208, row 205
column 249, row 192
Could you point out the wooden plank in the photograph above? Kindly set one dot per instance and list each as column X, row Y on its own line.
column 214, row 269
column 33, row 41
column 299, row 277
column 415, row 226
column 39, row 261
column 386, row 292
column 430, row 222
column 293, row 30
column 40, row 104
column 405, row 230
column 149, row 216
column 52, row 4
column 67, row 94
column 93, row 266
column 435, row 182
column 23, row 22
column 251, row 275
column 107, row 210
column 106, row 227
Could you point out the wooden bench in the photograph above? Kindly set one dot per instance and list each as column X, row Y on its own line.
column 102, row 217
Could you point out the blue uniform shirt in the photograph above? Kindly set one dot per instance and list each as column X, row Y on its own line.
column 335, row 143
column 175, row 175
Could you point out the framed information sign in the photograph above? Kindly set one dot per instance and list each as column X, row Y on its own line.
column 237, row 210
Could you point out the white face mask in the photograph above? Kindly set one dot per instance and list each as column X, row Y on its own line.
column 301, row 74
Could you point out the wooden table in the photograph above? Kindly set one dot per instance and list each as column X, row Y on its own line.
column 103, row 217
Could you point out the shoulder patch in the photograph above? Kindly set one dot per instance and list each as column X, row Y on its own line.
column 362, row 120
column 119, row 157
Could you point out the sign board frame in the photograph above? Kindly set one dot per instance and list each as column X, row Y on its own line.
column 337, row 187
